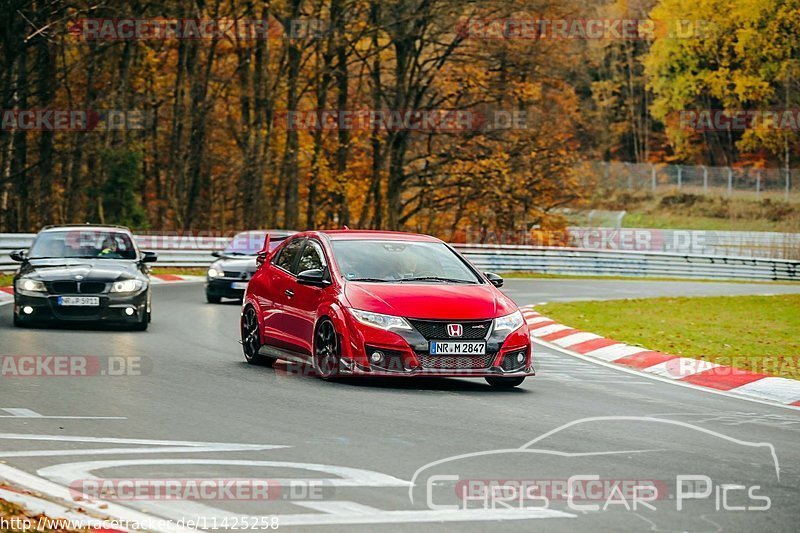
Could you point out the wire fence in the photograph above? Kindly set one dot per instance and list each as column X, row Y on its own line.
column 767, row 182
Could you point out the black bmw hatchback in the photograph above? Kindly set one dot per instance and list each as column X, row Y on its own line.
column 83, row 274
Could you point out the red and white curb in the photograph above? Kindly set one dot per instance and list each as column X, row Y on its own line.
column 684, row 370
column 7, row 293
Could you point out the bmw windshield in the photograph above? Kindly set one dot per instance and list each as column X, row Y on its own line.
column 401, row 262
column 84, row 244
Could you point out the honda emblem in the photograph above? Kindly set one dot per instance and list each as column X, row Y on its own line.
column 455, row 330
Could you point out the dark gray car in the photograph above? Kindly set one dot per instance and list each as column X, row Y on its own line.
column 83, row 274
column 227, row 277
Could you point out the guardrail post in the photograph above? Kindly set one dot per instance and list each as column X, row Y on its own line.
column 630, row 175
column 705, row 179
column 788, row 182
column 730, row 181
column 653, row 182
column 758, row 184
column 680, row 177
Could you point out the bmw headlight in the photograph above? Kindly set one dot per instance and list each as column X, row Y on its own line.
column 32, row 285
column 380, row 321
column 129, row 285
column 509, row 322
column 214, row 272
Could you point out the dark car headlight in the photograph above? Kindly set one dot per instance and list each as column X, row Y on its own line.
column 31, row 285
column 128, row 285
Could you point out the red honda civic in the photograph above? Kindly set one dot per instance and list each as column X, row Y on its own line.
column 376, row 303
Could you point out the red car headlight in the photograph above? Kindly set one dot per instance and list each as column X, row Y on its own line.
column 378, row 320
column 510, row 322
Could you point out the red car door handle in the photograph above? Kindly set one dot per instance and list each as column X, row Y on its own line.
column 289, row 292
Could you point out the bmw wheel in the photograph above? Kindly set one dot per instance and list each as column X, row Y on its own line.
column 212, row 299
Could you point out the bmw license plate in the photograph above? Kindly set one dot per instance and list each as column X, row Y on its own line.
column 79, row 301
column 239, row 285
column 457, row 348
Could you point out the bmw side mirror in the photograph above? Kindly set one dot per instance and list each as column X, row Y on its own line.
column 261, row 258
column 216, row 253
column 149, row 257
column 19, row 255
column 494, row 279
column 315, row 276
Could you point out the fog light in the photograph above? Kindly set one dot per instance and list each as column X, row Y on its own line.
column 376, row 357
column 129, row 311
column 520, row 357
column 27, row 310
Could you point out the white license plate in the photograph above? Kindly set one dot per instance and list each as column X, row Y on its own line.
column 457, row 348
column 80, row 301
column 239, row 285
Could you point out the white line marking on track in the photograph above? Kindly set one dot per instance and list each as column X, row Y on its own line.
column 150, row 442
column 20, row 412
column 66, row 473
column 380, row 516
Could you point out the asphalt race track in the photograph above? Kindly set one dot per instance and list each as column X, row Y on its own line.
column 347, row 452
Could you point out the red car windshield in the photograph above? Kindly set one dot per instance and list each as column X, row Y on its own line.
column 400, row 261
column 85, row 244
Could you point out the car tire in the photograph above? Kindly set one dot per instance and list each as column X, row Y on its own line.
column 19, row 323
column 326, row 350
column 251, row 339
column 504, row 383
column 144, row 321
column 210, row 298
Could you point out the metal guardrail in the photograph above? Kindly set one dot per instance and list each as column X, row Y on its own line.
column 186, row 251
column 576, row 261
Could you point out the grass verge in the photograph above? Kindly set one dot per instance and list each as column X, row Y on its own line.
column 757, row 333
column 691, row 209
